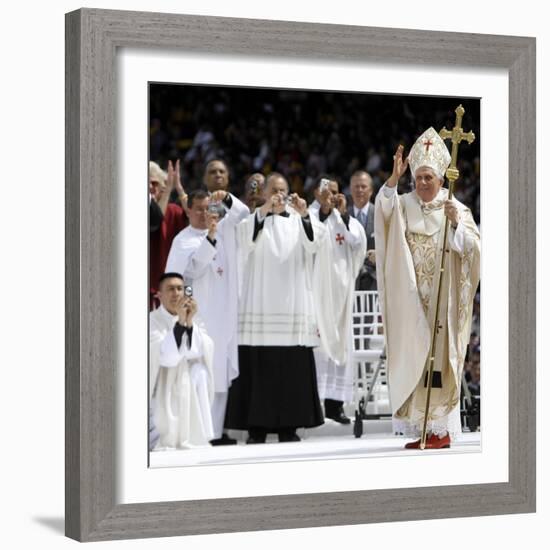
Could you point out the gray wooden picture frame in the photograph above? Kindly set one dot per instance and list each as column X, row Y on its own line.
column 92, row 39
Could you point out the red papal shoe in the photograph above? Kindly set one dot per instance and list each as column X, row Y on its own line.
column 413, row 445
column 432, row 442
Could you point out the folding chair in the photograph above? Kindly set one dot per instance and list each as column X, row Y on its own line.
column 371, row 396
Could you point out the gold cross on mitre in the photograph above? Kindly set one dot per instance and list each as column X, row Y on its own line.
column 456, row 135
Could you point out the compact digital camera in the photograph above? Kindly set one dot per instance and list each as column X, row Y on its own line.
column 324, row 184
column 213, row 208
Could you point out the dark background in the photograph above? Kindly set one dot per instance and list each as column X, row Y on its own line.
column 301, row 133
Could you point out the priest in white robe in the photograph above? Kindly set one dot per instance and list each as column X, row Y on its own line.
column 409, row 233
column 336, row 267
column 181, row 383
column 204, row 253
column 276, row 391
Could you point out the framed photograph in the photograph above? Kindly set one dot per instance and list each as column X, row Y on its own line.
column 110, row 491
column 213, row 137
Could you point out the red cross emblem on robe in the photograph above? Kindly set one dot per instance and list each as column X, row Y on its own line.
column 219, row 271
column 339, row 238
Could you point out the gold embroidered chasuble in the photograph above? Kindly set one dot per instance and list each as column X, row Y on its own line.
column 408, row 248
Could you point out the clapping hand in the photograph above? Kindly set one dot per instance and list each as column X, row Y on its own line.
column 171, row 177
column 173, row 181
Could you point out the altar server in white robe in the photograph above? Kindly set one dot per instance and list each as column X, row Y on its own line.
column 276, row 391
column 336, row 267
column 181, row 384
column 205, row 254
column 408, row 233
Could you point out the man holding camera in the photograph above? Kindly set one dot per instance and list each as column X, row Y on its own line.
column 253, row 191
column 276, row 391
column 181, row 382
column 204, row 253
column 336, row 267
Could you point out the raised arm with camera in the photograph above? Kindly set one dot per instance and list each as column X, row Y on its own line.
column 205, row 254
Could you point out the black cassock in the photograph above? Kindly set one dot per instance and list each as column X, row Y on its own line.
column 276, row 389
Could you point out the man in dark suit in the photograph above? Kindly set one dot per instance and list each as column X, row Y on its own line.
column 362, row 209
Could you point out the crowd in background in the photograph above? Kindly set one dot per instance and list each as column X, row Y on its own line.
column 300, row 134
column 303, row 134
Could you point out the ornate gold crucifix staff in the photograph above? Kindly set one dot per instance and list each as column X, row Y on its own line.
column 456, row 135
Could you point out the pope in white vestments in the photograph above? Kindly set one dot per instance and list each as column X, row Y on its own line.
column 276, row 390
column 336, row 267
column 180, row 361
column 409, row 232
column 205, row 254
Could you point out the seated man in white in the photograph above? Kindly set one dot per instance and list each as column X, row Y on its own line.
column 180, row 369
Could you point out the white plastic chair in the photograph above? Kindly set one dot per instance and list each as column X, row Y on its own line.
column 367, row 348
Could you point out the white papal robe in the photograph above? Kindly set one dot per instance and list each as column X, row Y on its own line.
column 181, row 383
column 336, row 267
column 408, row 236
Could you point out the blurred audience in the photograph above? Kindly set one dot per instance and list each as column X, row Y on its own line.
column 300, row 134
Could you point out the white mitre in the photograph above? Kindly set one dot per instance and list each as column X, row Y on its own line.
column 430, row 150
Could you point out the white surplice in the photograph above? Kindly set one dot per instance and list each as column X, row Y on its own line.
column 408, row 251
column 276, row 306
column 181, row 383
column 337, row 264
column 212, row 272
